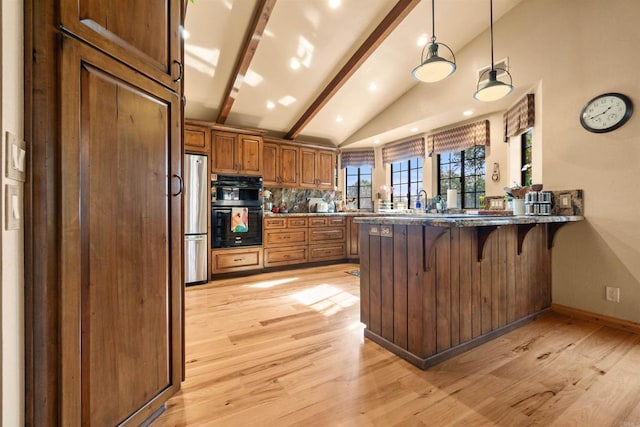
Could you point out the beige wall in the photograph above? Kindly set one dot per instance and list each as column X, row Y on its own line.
column 12, row 241
column 567, row 51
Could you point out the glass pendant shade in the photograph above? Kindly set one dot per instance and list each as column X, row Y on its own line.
column 434, row 68
column 494, row 89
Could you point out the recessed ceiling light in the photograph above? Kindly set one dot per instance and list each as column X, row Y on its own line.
column 294, row 64
column 373, row 86
column 252, row 78
column 377, row 141
column 271, row 105
column 339, row 119
column 286, row 100
column 414, row 129
column 185, row 33
column 468, row 112
column 334, row 4
column 422, row 40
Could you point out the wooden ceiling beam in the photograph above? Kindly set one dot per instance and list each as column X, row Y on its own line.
column 386, row 26
column 252, row 39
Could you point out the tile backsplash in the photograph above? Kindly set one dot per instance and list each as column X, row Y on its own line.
column 297, row 199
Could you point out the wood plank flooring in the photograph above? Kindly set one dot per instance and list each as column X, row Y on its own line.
column 287, row 349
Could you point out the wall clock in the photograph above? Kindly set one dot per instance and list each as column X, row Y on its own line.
column 606, row 112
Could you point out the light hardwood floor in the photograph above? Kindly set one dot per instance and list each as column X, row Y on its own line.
column 286, row 349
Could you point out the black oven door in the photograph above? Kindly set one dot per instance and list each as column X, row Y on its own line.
column 236, row 226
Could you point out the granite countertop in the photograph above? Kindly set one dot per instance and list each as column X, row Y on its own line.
column 462, row 220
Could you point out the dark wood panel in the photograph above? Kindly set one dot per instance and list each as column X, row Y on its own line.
column 476, row 287
column 365, row 269
column 387, row 257
column 510, row 274
column 122, row 227
column 454, row 266
column 485, row 285
column 147, row 36
column 400, row 265
column 375, row 292
column 466, row 284
column 443, row 292
column 415, row 290
column 494, row 247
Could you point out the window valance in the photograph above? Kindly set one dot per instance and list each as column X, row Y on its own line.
column 403, row 150
column 459, row 138
column 520, row 117
column 357, row 158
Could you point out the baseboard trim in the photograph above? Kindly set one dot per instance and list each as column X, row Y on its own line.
column 612, row 322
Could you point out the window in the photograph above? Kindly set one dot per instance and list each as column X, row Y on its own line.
column 406, row 180
column 526, row 174
column 465, row 172
column 358, row 183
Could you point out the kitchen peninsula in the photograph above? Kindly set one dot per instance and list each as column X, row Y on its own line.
column 432, row 287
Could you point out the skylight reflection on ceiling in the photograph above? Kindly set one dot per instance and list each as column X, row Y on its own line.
column 305, row 51
column 286, row 100
column 228, row 4
column 252, row 78
column 202, row 60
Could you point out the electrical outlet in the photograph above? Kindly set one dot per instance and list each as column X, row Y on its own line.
column 612, row 294
column 565, row 200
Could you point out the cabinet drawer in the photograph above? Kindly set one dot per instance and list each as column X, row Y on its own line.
column 327, row 234
column 326, row 221
column 285, row 237
column 285, row 256
column 327, row 252
column 297, row 222
column 275, row 223
column 229, row 260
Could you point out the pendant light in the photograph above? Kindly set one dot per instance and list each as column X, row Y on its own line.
column 494, row 89
column 434, row 68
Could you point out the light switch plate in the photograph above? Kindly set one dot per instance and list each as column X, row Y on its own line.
column 13, row 207
column 16, row 157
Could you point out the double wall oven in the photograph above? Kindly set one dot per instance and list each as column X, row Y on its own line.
column 236, row 211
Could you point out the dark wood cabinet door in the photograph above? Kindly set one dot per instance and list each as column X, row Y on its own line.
column 308, row 168
column 289, row 159
column 250, row 150
column 144, row 34
column 325, row 170
column 121, row 241
column 353, row 239
column 223, row 152
column 197, row 139
column 270, row 163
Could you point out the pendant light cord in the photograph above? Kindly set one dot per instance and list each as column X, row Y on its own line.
column 433, row 21
column 491, row 27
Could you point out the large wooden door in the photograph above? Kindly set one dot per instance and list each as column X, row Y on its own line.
column 143, row 34
column 121, row 241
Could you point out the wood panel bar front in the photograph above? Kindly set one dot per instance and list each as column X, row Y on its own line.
column 427, row 300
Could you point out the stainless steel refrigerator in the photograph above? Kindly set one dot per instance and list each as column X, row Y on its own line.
column 196, row 206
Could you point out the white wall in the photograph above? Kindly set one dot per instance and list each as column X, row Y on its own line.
column 557, row 47
column 12, row 241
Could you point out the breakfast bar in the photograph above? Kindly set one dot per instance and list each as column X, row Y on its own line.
column 434, row 286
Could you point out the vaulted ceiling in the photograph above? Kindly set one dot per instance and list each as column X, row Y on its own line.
column 316, row 70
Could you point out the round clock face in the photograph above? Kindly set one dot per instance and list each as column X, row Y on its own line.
column 607, row 112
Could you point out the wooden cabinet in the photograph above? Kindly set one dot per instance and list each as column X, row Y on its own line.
column 233, row 153
column 286, row 241
column 317, row 168
column 121, row 246
column 237, row 259
column 197, row 140
column 327, row 236
column 104, row 291
column 353, row 239
column 285, row 237
column 281, row 164
column 143, row 34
